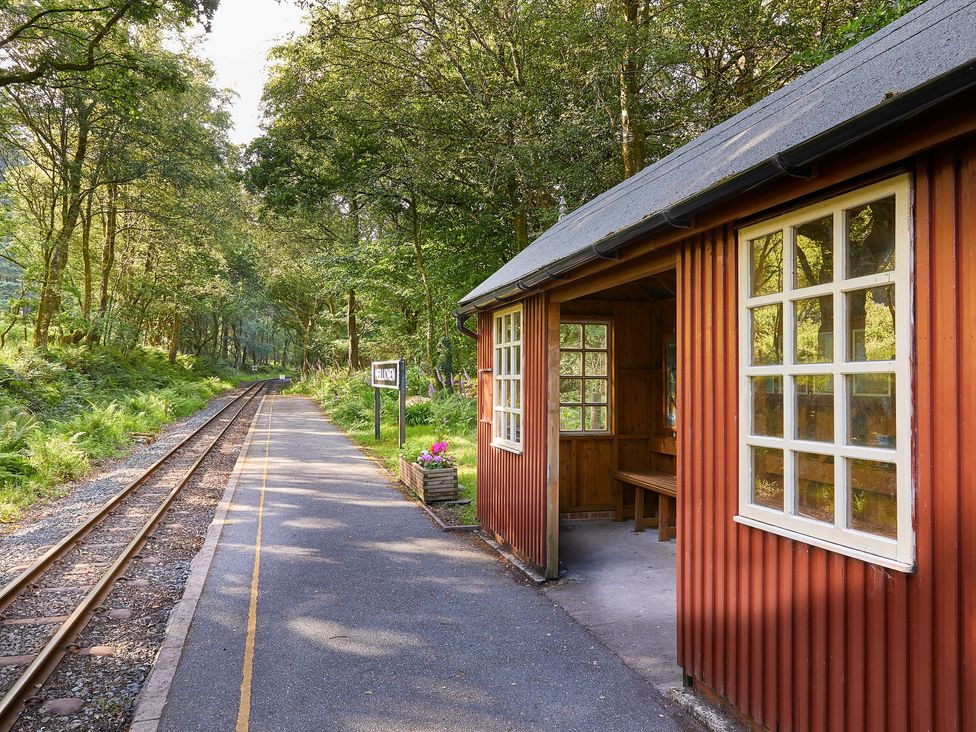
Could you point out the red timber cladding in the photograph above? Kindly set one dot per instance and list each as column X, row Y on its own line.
column 512, row 487
column 797, row 637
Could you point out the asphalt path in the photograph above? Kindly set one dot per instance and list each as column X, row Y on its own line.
column 364, row 616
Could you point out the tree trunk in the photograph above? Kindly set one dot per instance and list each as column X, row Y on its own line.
column 425, row 282
column 86, row 300
column 632, row 128
column 108, row 262
column 353, row 332
column 49, row 301
column 174, row 339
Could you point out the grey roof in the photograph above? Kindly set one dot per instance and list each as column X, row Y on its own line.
column 935, row 39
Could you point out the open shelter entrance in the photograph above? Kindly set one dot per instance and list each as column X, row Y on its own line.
column 617, row 486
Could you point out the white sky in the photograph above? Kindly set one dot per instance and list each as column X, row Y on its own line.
column 242, row 33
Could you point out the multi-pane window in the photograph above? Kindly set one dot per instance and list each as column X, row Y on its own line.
column 584, row 377
column 825, row 327
column 507, row 385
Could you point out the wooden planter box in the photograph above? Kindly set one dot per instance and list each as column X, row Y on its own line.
column 440, row 484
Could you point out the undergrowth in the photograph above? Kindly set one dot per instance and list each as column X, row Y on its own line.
column 62, row 411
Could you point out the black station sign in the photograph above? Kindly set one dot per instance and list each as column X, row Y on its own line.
column 386, row 374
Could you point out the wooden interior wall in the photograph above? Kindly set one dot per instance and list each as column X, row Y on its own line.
column 639, row 438
column 512, row 487
column 800, row 638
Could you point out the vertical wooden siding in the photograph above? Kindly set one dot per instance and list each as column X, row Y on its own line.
column 797, row 637
column 511, row 487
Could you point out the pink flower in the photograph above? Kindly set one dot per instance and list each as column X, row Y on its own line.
column 438, row 448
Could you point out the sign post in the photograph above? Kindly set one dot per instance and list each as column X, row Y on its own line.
column 389, row 375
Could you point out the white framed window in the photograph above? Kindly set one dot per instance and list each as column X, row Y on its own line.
column 825, row 369
column 507, row 380
column 584, row 376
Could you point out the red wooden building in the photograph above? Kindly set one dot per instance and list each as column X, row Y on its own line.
column 781, row 315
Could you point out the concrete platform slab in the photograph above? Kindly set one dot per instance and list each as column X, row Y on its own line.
column 621, row 586
column 367, row 617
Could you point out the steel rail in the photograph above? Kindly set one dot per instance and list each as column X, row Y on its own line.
column 15, row 586
column 15, row 700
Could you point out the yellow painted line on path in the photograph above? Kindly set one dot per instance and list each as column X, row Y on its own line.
column 244, row 708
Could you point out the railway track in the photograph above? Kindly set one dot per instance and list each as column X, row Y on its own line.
column 51, row 601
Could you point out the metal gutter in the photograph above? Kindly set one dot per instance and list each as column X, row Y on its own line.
column 794, row 162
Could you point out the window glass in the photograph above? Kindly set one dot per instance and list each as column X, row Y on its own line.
column 814, row 407
column 767, row 335
column 766, row 276
column 767, row 405
column 815, row 486
column 814, row 253
column 871, row 238
column 871, row 410
column 767, row 480
column 874, row 497
column 596, row 335
column 871, row 324
column 814, row 335
column 584, row 379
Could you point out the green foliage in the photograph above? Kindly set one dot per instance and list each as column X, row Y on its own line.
column 454, row 413
column 64, row 410
column 419, row 413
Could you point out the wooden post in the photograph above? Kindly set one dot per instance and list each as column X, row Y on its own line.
column 402, row 374
column 376, row 413
column 552, row 441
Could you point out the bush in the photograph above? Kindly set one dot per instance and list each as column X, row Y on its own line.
column 454, row 412
column 419, row 413
column 56, row 458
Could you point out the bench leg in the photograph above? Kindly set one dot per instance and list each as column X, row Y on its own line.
column 638, row 510
column 663, row 517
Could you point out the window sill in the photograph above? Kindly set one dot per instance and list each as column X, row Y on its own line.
column 514, row 449
column 827, row 545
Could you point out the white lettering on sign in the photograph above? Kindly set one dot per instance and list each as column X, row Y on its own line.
column 386, row 374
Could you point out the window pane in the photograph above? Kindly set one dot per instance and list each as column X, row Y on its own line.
column 507, row 328
column 517, row 325
column 596, row 418
column 871, row 399
column 815, row 330
column 596, row 391
column 767, row 264
column 873, row 495
column 517, row 393
column 767, row 405
column 570, row 364
column 515, row 360
column 570, row 335
column 596, row 364
column 815, row 486
column 871, row 238
column 815, row 408
column 767, row 334
column 767, row 477
column 571, row 390
column 570, row 419
column 871, row 324
column 596, row 335
column 814, row 254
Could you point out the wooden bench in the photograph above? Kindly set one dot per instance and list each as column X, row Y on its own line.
column 666, row 488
